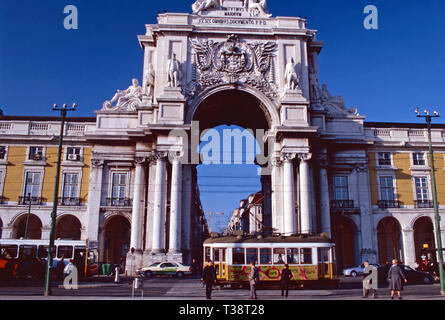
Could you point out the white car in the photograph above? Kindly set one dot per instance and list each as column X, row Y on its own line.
column 165, row 268
column 355, row 271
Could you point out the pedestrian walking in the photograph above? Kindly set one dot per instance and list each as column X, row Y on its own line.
column 209, row 278
column 367, row 282
column 60, row 268
column 286, row 277
column 254, row 279
column 395, row 276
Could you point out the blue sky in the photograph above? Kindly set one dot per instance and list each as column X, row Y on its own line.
column 384, row 73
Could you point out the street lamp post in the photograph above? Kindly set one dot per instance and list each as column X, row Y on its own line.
column 437, row 219
column 27, row 216
column 63, row 112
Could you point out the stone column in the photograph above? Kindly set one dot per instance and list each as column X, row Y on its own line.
column 138, row 205
column 290, row 225
column 409, row 247
column 175, row 207
column 186, row 209
column 277, row 216
column 305, row 197
column 94, row 199
column 158, row 245
column 325, row 210
column 369, row 251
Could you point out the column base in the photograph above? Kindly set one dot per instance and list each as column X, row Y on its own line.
column 175, row 257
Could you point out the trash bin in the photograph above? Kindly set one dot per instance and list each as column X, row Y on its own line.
column 106, row 268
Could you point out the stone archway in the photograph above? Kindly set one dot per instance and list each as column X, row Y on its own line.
column 240, row 113
column 424, row 236
column 34, row 227
column 389, row 237
column 116, row 239
column 344, row 234
column 68, row 227
column 236, row 99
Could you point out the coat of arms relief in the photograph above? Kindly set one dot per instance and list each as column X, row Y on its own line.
column 233, row 62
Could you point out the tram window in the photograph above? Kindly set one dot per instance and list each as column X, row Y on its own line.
column 216, row 255
column 278, row 256
column 323, row 255
column 238, row 255
column 265, row 256
column 292, row 256
column 42, row 253
column 66, row 251
column 223, row 255
column 28, row 251
column 10, row 249
column 207, row 254
column 252, row 255
column 306, row 256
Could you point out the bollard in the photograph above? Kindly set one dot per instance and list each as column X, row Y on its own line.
column 137, row 283
column 117, row 277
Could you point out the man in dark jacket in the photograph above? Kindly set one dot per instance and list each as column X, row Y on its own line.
column 286, row 277
column 209, row 278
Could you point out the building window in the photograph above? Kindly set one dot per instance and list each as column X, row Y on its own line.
column 32, row 184
column 73, row 154
column 421, row 189
column 2, row 152
column 119, row 188
column 35, row 153
column 70, row 186
column 419, row 159
column 386, row 188
column 384, row 158
column 341, row 188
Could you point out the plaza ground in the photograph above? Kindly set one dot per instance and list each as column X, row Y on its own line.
column 190, row 288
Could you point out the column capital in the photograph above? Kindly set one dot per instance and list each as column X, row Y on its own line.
column 276, row 161
column 157, row 155
column 288, row 156
column 361, row 167
column 304, row 157
column 140, row 161
column 97, row 163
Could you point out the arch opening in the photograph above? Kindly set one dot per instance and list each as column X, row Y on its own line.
column 34, row 230
column 424, row 239
column 68, row 227
column 228, row 176
column 344, row 234
column 116, row 244
column 389, row 235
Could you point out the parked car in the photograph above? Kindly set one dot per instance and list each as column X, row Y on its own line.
column 355, row 271
column 413, row 276
column 165, row 268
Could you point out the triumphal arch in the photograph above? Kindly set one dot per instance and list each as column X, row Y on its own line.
column 226, row 62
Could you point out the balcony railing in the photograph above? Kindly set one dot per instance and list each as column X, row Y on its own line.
column 385, row 204
column 119, row 202
column 33, row 200
column 342, row 204
column 67, row 201
column 424, row 204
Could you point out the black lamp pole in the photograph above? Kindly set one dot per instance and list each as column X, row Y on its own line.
column 63, row 112
column 437, row 219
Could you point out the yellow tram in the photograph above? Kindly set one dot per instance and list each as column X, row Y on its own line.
column 311, row 259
